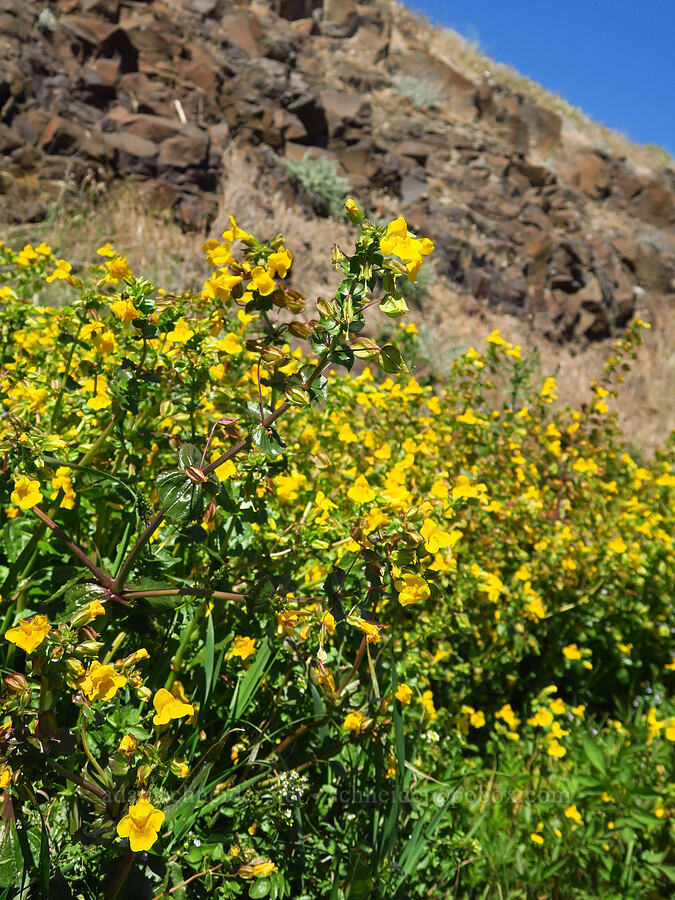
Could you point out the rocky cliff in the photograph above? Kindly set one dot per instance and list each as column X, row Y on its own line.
column 528, row 214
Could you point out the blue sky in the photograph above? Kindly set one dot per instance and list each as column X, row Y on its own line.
column 615, row 60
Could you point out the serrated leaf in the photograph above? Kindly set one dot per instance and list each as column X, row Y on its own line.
column 181, row 498
column 188, row 455
column 268, row 443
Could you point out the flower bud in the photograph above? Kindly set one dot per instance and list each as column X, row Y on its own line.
column 179, row 767
column 15, row 683
column 354, row 214
column 88, row 648
column 144, row 693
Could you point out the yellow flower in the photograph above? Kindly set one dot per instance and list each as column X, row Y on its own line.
column 361, row 491
column 181, row 332
column 230, row 344
column 573, row 813
column 537, row 838
column 125, row 310
column 262, row 282
column 226, row 470
column 428, row 703
column 541, row 719
column 506, row 714
column 26, row 493
column 29, row 633
column 5, row 779
column 235, row 233
column 61, row 272
column 279, row 263
column 548, row 391
column 169, row 707
column 101, row 682
column 409, row 249
column 128, row 744
column 496, row 339
column 434, row 537
column 117, row 268
column 43, row 249
column 618, row 546
column 403, row 694
column 571, row 651
column 411, row 588
column 354, row 721
column 141, row 825
column 556, row 749
column 243, row 647
column 221, row 285
column 106, row 250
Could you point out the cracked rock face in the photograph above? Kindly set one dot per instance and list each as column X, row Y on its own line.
column 159, row 89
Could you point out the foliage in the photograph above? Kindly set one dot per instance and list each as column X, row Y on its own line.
column 319, row 176
column 277, row 631
column 423, row 95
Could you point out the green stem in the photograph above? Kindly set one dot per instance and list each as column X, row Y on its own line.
column 59, row 399
column 155, row 522
column 89, row 754
column 121, row 876
column 177, row 660
column 116, row 644
column 89, row 455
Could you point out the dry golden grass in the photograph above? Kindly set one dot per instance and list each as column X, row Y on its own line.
column 646, row 400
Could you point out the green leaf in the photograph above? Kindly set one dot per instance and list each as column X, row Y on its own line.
column 268, row 443
column 13, row 867
column 209, row 645
column 180, row 497
column 365, row 348
column 259, row 888
column 392, row 361
column 394, row 306
column 594, row 754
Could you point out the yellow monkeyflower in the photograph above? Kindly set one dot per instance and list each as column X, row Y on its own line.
column 169, row 707
column 181, row 332
column 434, row 537
column 409, row 249
column 428, row 704
column 556, row 749
column 61, row 272
column 618, row 546
column 106, row 250
column 235, row 233
column 354, row 721
column 230, row 344
column 128, row 744
column 571, row 651
column 125, row 310
column 279, row 263
column 101, row 682
column 243, row 647
column 26, row 493
column 141, row 825
column 262, row 282
column 573, row 813
column 117, row 268
column 411, row 588
column 361, row 491
column 403, row 694
column 29, row 633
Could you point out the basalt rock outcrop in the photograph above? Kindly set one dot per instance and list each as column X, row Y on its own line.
column 525, row 218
